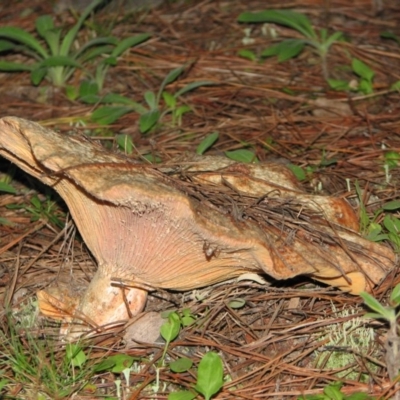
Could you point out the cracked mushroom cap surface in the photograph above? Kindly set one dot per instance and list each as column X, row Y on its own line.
column 191, row 224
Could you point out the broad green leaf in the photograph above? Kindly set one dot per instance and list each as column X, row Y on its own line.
column 87, row 88
column 248, row 54
column 125, row 142
column 71, row 34
column 374, row 305
column 365, row 86
column 43, row 24
column 192, row 86
column 38, row 74
column 13, row 66
column 171, row 77
column 59, row 61
column 395, row 295
column 391, row 205
column 207, row 142
column 339, row 85
column 391, row 224
column 108, row 115
column 151, row 100
column 362, row 69
column 242, row 155
column 288, row 18
column 6, row 45
column 105, row 365
column 75, row 355
column 297, row 171
column 170, row 329
column 129, row 42
column 210, row 375
column 285, row 50
column 182, row 395
column 148, row 120
column 182, row 364
column 333, row 392
column 236, row 303
column 46, row 29
column 122, row 361
column 170, row 100
column 21, row 36
column 5, row 187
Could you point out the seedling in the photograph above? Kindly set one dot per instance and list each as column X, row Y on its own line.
column 242, row 155
column 152, row 112
column 290, row 48
column 390, row 315
column 333, row 392
column 210, row 379
column 57, row 59
column 365, row 75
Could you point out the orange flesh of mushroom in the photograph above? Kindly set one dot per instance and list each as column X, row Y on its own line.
column 141, row 226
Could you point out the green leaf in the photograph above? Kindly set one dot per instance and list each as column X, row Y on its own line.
column 105, row 365
column 288, row 18
column 170, row 100
column 171, row 77
column 151, row 100
column 207, row 142
column 5, row 187
column 285, row 50
column 59, row 61
column 248, row 54
column 129, row 42
column 170, row 329
column 242, row 155
column 395, row 295
column 333, row 391
column 338, row 85
column 182, row 395
column 362, row 70
column 392, row 158
column 43, row 24
column 108, row 114
column 148, row 120
column 182, row 364
column 192, row 86
column 6, row 45
column 21, row 36
column 297, row 171
column 391, row 205
column 37, row 75
column 365, row 86
column 45, row 28
column 88, row 88
column 236, row 303
column 122, row 361
column 14, row 67
column 374, row 305
column 210, row 375
column 392, row 224
column 75, row 355
column 71, row 34
column 125, row 143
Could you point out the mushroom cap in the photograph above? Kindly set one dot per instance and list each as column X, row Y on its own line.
column 191, row 223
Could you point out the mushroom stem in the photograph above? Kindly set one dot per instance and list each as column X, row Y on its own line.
column 104, row 302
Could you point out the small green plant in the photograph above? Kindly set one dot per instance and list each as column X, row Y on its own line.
column 57, row 59
column 207, row 142
column 46, row 209
column 365, row 79
column 389, row 226
column 333, row 392
column 152, row 112
column 390, row 314
column 242, row 155
column 210, row 379
column 320, row 41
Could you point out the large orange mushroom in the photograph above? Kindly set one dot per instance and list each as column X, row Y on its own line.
column 190, row 223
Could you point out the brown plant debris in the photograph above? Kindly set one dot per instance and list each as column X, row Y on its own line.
column 190, row 223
